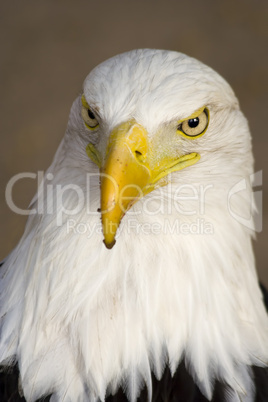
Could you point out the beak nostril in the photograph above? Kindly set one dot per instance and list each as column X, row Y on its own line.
column 139, row 156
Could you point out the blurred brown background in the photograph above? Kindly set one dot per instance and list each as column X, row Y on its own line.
column 48, row 47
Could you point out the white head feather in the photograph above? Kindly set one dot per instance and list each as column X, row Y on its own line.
column 81, row 319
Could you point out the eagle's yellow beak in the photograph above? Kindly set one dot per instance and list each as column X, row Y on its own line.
column 125, row 176
column 129, row 173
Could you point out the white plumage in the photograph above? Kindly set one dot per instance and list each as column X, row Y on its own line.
column 81, row 319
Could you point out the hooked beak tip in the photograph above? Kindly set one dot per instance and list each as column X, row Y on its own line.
column 109, row 245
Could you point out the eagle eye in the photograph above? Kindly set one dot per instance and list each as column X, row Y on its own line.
column 195, row 126
column 91, row 115
column 88, row 116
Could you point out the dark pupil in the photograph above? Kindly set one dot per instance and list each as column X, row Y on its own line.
column 193, row 122
column 90, row 114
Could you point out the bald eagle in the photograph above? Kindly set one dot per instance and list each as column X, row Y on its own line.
column 135, row 276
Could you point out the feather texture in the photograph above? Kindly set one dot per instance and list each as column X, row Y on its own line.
column 81, row 320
